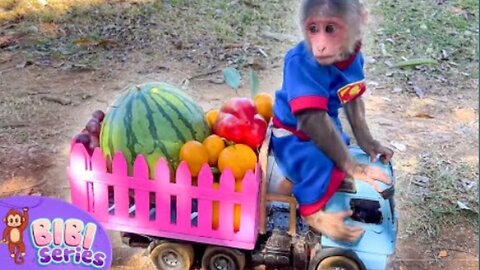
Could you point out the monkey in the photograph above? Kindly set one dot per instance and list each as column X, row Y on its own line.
column 322, row 74
column 13, row 234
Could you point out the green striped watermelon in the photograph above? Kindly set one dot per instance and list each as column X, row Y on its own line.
column 153, row 119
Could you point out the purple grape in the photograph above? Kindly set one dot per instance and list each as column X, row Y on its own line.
column 94, row 142
column 99, row 115
column 83, row 139
column 93, row 127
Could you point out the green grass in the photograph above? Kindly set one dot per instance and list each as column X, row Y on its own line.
column 425, row 29
column 208, row 24
column 436, row 207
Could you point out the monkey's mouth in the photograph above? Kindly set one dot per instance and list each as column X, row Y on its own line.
column 325, row 59
column 321, row 58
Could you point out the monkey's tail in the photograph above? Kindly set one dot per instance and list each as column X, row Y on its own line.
column 18, row 258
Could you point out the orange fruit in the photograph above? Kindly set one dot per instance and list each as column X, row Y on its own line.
column 215, row 146
column 211, row 117
column 238, row 158
column 237, row 207
column 215, row 210
column 195, row 154
column 264, row 105
column 236, row 210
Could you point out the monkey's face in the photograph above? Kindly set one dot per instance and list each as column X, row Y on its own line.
column 327, row 38
column 14, row 220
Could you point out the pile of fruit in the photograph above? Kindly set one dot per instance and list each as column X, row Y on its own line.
column 159, row 120
column 239, row 128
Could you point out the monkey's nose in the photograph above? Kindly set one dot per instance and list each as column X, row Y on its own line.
column 321, row 49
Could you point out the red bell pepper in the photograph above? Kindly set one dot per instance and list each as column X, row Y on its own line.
column 238, row 121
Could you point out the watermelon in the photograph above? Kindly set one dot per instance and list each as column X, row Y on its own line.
column 153, row 119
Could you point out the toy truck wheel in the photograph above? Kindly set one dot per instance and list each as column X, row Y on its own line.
column 335, row 258
column 171, row 256
column 219, row 258
column 337, row 262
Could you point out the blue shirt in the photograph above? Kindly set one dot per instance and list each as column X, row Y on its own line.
column 309, row 85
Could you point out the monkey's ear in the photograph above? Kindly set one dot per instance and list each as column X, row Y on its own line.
column 4, row 219
column 23, row 219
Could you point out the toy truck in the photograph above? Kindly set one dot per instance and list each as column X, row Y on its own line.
column 373, row 211
column 173, row 218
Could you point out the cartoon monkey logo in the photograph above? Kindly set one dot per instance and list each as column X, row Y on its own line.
column 13, row 234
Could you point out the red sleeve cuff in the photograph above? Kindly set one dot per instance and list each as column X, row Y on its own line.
column 335, row 181
column 308, row 102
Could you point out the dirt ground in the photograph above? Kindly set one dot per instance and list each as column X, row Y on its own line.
column 44, row 102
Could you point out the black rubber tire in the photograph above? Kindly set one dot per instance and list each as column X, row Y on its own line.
column 337, row 263
column 234, row 258
column 329, row 258
column 180, row 256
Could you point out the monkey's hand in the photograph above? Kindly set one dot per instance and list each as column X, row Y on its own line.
column 332, row 225
column 369, row 174
column 374, row 149
column 4, row 240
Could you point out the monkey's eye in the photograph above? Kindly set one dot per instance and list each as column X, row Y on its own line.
column 16, row 220
column 313, row 29
column 330, row 28
column 10, row 220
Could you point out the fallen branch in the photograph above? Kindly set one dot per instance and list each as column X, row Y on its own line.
column 233, row 46
column 196, row 76
column 15, row 125
column 416, row 62
column 278, row 36
column 59, row 100
column 38, row 93
column 262, row 52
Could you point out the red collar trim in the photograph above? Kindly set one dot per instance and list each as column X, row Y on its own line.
column 347, row 62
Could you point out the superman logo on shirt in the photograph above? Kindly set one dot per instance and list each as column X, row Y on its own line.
column 351, row 91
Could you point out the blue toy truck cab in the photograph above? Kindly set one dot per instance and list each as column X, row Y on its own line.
column 373, row 211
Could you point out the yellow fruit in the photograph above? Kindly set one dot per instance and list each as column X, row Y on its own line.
column 238, row 158
column 215, row 146
column 195, row 154
column 211, row 117
column 264, row 105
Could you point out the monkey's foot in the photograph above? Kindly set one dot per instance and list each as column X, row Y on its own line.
column 23, row 254
column 332, row 225
column 12, row 255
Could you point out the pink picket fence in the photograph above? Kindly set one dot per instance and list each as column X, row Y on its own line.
column 141, row 205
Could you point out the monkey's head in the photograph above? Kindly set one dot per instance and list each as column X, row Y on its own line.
column 13, row 219
column 332, row 28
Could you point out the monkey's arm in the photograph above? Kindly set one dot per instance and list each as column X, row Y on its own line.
column 318, row 126
column 6, row 234
column 25, row 216
column 355, row 111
